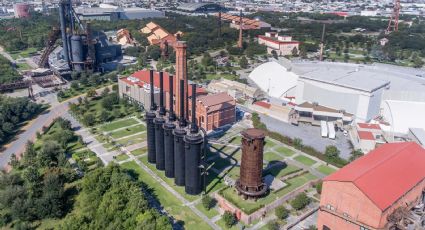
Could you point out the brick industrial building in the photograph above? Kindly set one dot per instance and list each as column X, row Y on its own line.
column 215, row 110
column 212, row 111
column 370, row 192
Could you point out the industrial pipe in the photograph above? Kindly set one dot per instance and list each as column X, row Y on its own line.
column 193, row 150
column 179, row 151
column 168, row 134
column 150, row 116
column 159, row 129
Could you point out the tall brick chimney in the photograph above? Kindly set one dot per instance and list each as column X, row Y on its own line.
column 181, row 73
column 240, row 30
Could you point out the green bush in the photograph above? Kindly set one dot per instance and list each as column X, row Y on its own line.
column 281, row 212
column 300, row 201
column 229, row 219
column 208, row 202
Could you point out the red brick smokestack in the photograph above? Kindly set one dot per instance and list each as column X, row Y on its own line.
column 240, row 30
column 181, row 73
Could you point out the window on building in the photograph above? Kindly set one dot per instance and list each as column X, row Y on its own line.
column 326, row 227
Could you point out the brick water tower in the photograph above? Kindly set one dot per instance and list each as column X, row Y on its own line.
column 250, row 183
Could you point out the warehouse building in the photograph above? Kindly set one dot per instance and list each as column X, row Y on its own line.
column 351, row 90
column 372, row 192
column 200, row 7
column 235, row 89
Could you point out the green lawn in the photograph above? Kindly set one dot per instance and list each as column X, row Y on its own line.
column 223, row 225
column 271, row 156
column 218, row 76
column 170, row 203
column 139, row 152
column 23, row 53
column 139, row 138
column 269, row 143
column 121, row 157
column 118, row 124
column 305, row 160
column 128, row 131
column 169, row 181
column 209, row 213
column 24, row 66
column 237, row 140
column 325, row 169
column 281, row 170
column 250, row 206
column 285, row 151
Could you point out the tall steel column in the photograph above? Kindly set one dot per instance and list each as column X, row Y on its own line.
column 159, row 130
column 150, row 116
column 179, row 133
column 193, row 149
column 168, row 134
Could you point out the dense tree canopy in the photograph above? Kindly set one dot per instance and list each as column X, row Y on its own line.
column 110, row 199
column 13, row 111
column 7, row 73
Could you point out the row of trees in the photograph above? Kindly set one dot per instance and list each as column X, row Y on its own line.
column 35, row 189
column 8, row 73
column 110, row 199
column 14, row 111
column 19, row 34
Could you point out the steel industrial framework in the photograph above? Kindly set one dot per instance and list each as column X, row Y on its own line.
column 393, row 22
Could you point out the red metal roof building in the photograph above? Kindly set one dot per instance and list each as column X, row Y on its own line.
column 282, row 45
column 364, row 193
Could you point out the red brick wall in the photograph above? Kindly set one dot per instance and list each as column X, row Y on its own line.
column 346, row 199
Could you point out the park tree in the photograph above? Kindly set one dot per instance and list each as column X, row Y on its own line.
column 294, row 52
column 355, row 154
column 229, row 219
column 104, row 115
column 208, row 202
column 418, row 62
column 243, row 62
column 154, row 52
column 274, row 54
column 332, row 152
column 319, row 187
column 207, row 60
column 281, row 212
column 273, row 225
column 75, row 85
column 91, row 93
column 89, row 119
column 300, row 201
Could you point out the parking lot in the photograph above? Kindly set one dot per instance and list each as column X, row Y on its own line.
column 310, row 135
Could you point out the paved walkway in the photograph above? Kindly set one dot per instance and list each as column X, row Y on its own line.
column 93, row 144
column 30, row 130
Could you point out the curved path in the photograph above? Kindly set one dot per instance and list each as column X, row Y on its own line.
column 29, row 132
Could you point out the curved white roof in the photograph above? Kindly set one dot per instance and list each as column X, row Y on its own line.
column 274, row 79
column 403, row 115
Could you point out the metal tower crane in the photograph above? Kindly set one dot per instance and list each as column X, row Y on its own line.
column 393, row 22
